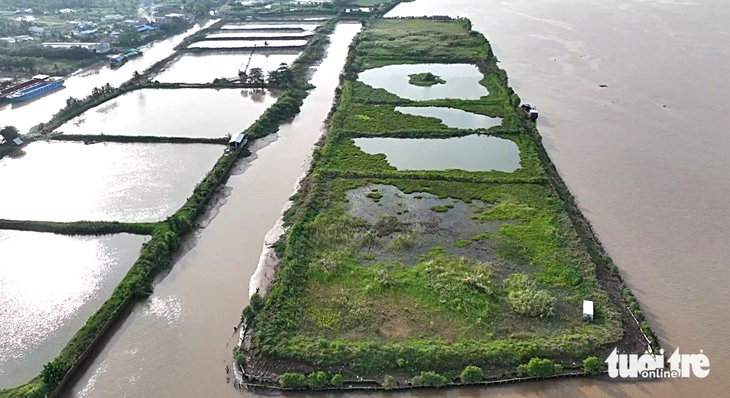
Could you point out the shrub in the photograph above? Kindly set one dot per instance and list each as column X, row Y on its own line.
column 53, row 372
column 472, row 374
column 430, row 379
column 256, row 302
column 537, row 367
column 525, row 299
column 292, row 380
column 388, row 382
column 317, row 380
column 337, row 380
column 592, row 365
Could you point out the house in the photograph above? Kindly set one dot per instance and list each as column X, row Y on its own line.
column 588, row 310
column 7, row 40
column 441, row 18
column 174, row 16
column 145, row 28
column 37, row 30
column 102, row 48
column 66, row 11
column 237, row 141
column 18, row 142
column 23, row 38
column 112, row 18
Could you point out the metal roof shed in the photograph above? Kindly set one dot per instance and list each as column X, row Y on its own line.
column 588, row 310
column 237, row 141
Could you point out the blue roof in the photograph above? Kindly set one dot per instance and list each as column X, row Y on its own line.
column 144, row 28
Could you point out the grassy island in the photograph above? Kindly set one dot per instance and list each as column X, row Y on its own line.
column 426, row 79
column 432, row 277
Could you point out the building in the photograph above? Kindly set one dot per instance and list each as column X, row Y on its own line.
column 441, row 18
column 112, row 18
column 37, row 30
column 588, row 310
column 18, row 142
column 145, row 28
column 237, row 141
column 23, row 38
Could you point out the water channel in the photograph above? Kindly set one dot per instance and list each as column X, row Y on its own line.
column 27, row 114
column 49, row 286
column 177, row 343
column 471, row 153
column 70, row 181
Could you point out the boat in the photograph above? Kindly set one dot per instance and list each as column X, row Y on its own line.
column 133, row 52
column 117, row 60
column 12, row 89
column 36, row 90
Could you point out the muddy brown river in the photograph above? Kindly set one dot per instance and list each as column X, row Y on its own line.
column 645, row 156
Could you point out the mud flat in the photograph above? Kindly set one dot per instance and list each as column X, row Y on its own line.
column 396, row 278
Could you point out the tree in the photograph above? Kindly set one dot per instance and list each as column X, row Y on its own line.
column 9, row 133
column 200, row 8
column 53, row 373
column 472, row 374
column 256, row 76
column 281, row 76
column 592, row 365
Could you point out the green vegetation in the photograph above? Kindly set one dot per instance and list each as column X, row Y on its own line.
column 365, row 289
column 337, row 380
column 537, row 367
column 427, row 79
column 592, row 365
column 80, row 227
column 471, row 374
column 431, row 379
column 292, row 380
column 388, row 382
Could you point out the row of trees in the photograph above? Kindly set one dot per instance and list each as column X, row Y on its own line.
column 280, row 77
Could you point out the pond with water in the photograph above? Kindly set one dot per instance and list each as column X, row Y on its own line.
column 191, row 112
column 269, row 26
column 247, row 43
column 26, row 114
column 245, row 35
column 470, row 153
column 204, row 68
column 462, row 81
column 49, row 285
column 70, row 181
column 455, row 118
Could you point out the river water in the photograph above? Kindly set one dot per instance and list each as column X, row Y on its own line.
column 27, row 114
column 177, row 343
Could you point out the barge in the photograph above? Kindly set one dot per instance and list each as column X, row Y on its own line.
column 41, row 85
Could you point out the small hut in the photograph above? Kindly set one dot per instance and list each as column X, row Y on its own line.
column 588, row 310
column 237, row 141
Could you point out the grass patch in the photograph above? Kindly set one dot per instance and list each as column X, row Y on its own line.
column 426, row 79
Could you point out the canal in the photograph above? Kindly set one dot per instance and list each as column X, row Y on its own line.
column 177, row 343
column 28, row 114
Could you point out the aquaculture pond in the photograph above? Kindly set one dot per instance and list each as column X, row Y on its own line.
column 192, row 112
column 470, row 153
column 245, row 35
column 270, row 26
column 177, row 342
column 247, row 43
column 26, row 114
column 461, row 81
column 70, row 181
column 455, row 118
column 199, row 68
column 49, row 285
